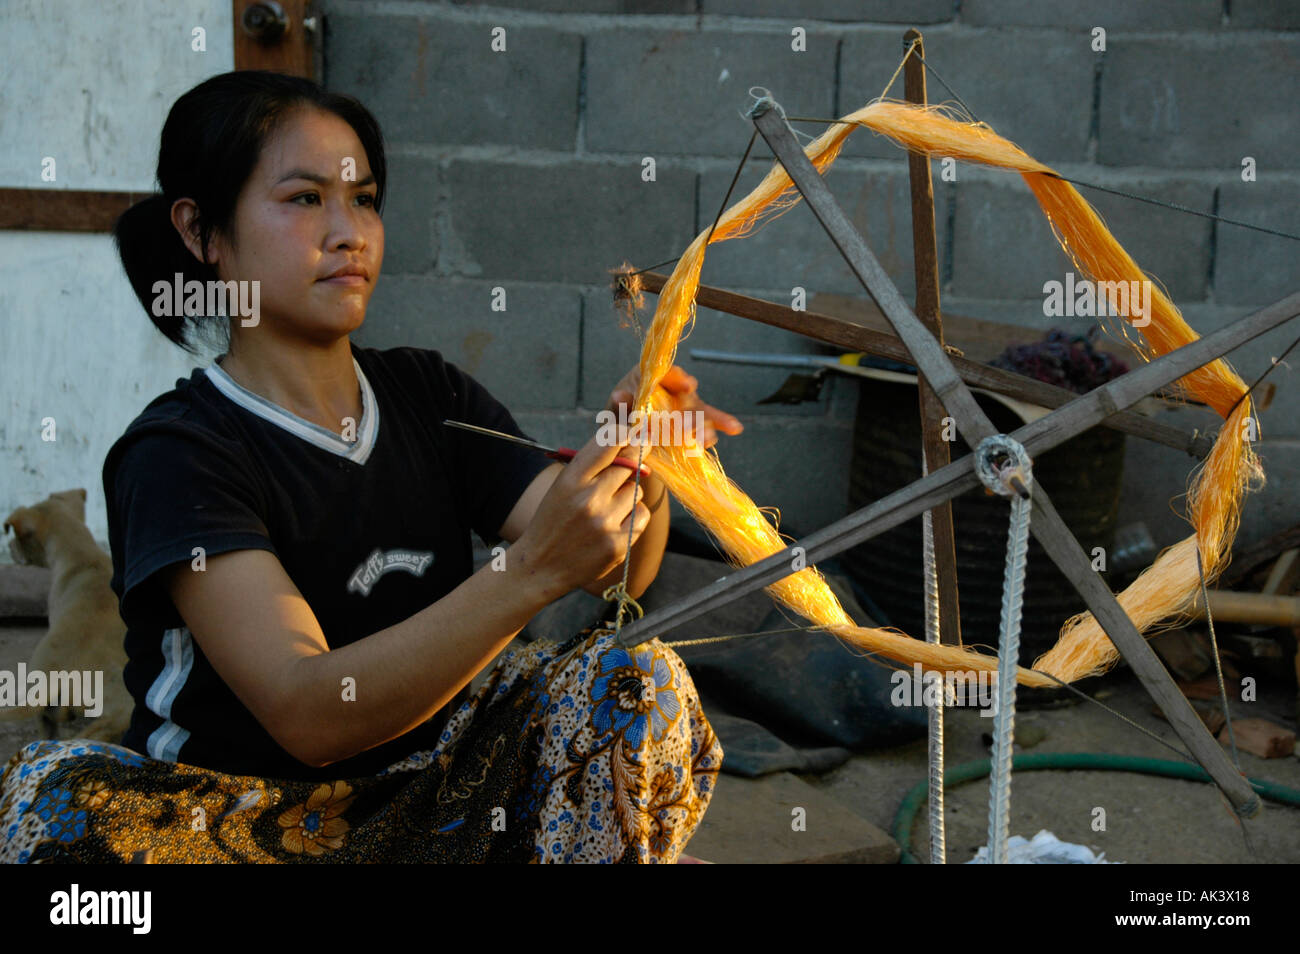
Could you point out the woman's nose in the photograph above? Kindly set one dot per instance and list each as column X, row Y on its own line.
column 346, row 228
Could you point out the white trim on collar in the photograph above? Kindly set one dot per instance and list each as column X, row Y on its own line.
column 357, row 451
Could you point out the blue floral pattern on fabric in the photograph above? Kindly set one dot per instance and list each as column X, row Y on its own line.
column 583, row 752
column 634, row 692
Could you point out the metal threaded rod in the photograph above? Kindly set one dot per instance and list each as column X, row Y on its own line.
column 1000, row 480
column 938, row 847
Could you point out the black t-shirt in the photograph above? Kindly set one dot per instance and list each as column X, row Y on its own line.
column 370, row 531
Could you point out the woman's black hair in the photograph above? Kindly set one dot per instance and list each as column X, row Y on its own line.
column 211, row 142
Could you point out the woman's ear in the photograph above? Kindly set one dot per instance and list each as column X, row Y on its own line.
column 185, row 217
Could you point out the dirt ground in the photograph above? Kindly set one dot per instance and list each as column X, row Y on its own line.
column 1147, row 819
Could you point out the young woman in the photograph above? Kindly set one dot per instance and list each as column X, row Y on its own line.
column 291, row 539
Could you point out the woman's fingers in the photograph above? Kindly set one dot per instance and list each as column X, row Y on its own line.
column 703, row 420
column 596, row 457
column 626, row 495
column 684, row 387
column 638, row 516
column 638, row 520
column 720, row 419
column 678, row 381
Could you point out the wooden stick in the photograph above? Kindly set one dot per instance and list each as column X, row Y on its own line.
column 1282, row 571
column 926, row 266
column 847, row 334
column 64, row 210
column 1264, row 609
column 939, row 542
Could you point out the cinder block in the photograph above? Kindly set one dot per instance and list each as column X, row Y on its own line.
column 606, row 6
column 1109, row 14
column 795, row 250
column 1281, row 419
column 1264, row 14
column 1170, row 245
column 799, row 465
column 856, row 11
column 780, row 819
column 437, row 80
column 527, row 355
column 410, row 214
column 1155, row 478
column 1250, row 266
column 1002, row 244
column 557, row 428
column 1049, row 118
column 665, row 93
column 570, row 221
column 610, row 350
column 1199, row 100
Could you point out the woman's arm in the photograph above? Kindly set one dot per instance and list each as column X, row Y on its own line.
column 265, row 642
column 269, row 648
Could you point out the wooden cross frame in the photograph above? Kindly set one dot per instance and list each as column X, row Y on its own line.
column 942, row 484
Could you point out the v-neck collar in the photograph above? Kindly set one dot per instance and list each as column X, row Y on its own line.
column 357, row 451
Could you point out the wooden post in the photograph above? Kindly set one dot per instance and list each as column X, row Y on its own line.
column 926, row 266
column 942, row 611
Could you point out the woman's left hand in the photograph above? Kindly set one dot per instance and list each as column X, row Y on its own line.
column 683, row 388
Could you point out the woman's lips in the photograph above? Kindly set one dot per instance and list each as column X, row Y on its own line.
column 346, row 280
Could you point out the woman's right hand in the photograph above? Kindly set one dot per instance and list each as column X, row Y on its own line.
column 580, row 530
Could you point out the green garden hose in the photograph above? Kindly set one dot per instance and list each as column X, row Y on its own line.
column 1079, row 761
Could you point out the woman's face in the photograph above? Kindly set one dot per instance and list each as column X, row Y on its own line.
column 306, row 211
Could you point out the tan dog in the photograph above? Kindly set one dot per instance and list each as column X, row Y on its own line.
column 86, row 631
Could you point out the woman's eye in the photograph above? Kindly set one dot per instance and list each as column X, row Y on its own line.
column 366, row 198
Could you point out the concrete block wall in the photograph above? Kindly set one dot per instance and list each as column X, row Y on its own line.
column 522, row 169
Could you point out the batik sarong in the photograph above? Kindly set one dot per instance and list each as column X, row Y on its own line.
column 581, row 752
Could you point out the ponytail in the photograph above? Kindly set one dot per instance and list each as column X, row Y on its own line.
column 152, row 251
